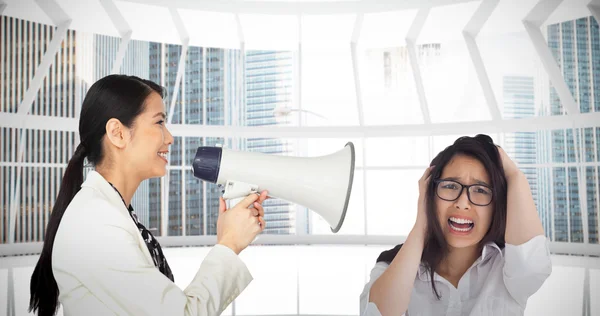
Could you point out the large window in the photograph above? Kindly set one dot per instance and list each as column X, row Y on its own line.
column 311, row 79
column 301, row 79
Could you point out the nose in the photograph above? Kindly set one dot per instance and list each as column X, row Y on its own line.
column 463, row 203
column 168, row 137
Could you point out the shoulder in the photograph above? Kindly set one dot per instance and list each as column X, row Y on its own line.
column 389, row 255
column 532, row 256
column 383, row 261
column 90, row 204
column 90, row 214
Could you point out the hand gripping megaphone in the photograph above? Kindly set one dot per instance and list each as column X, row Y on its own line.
column 322, row 184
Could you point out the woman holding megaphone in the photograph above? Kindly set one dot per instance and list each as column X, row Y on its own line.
column 97, row 258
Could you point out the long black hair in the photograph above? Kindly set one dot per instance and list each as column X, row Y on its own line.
column 114, row 96
column 482, row 148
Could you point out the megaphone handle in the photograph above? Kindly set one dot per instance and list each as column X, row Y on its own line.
column 236, row 189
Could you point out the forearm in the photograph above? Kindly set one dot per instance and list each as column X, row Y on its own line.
column 221, row 278
column 522, row 219
column 391, row 291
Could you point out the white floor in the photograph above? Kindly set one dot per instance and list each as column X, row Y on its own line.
column 324, row 280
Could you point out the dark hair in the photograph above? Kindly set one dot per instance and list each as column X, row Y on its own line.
column 482, row 148
column 114, row 96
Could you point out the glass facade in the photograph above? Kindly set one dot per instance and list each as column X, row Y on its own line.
column 575, row 46
column 350, row 76
column 269, row 76
column 518, row 96
column 223, row 86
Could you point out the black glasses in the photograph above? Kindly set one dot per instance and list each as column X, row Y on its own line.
column 450, row 190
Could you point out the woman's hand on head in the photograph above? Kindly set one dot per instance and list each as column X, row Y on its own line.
column 510, row 168
column 421, row 222
column 237, row 227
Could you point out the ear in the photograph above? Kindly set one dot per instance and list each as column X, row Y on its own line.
column 117, row 133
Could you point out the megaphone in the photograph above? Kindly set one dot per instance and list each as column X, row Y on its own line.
column 323, row 184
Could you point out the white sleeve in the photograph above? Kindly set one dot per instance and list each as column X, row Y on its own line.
column 526, row 267
column 113, row 267
column 369, row 308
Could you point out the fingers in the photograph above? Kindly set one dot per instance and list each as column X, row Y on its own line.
column 254, row 202
column 263, row 196
column 503, row 155
column 501, row 151
column 260, row 211
column 249, row 200
column 427, row 173
column 222, row 206
column 262, row 223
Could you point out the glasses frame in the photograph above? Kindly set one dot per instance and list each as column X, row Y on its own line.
column 462, row 187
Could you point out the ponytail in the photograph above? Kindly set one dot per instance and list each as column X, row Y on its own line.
column 43, row 287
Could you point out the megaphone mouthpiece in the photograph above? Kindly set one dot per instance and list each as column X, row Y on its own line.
column 207, row 163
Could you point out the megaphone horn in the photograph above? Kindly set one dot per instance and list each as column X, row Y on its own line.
column 323, row 184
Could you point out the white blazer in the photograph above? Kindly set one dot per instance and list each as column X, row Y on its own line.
column 103, row 267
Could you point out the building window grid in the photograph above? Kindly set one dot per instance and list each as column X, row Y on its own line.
column 569, row 134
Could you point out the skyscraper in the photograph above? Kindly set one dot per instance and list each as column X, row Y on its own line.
column 575, row 45
column 269, row 84
column 545, row 196
column 210, row 93
column 528, row 148
column 518, row 95
column 37, row 170
column 204, row 93
column 163, row 66
column 81, row 59
column 99, row 54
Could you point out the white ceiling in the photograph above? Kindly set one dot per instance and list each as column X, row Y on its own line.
column 272, row 24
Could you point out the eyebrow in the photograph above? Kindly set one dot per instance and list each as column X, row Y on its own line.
column 163, row 114
column 477, row 181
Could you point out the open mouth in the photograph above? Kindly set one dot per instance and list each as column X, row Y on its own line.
column 163, row 155
column 460, row 225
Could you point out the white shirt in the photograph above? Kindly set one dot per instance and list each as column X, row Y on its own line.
column 103, row 267
column 498, row 283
